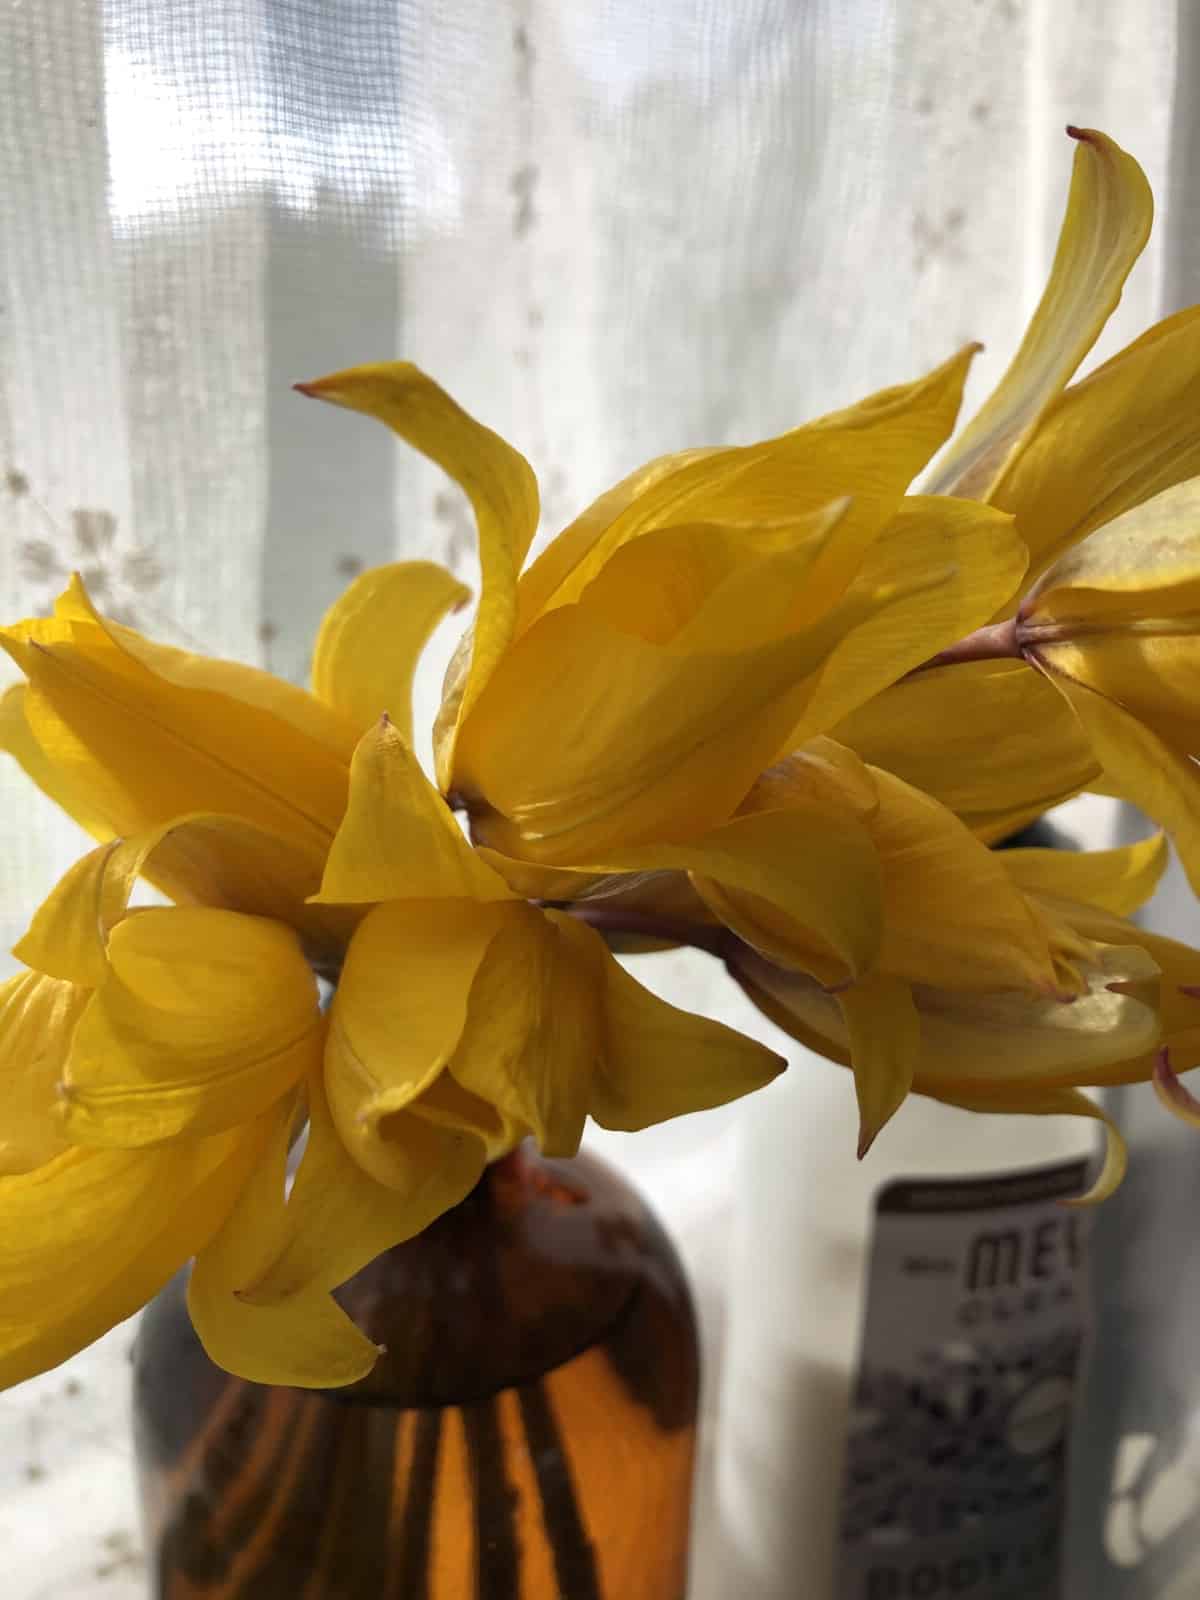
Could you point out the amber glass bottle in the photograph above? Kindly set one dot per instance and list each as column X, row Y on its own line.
column 527, row 1436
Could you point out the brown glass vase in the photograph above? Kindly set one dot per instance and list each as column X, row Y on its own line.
column 527, row 1436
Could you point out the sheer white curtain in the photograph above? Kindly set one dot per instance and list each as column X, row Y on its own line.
column 610, row 230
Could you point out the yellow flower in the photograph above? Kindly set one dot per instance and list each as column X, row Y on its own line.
column 127, row 735
column 995, row 739
column 155, row 1061
column 1009, row 1050
column 701, row 617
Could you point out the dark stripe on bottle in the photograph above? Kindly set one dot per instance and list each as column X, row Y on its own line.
column 574, row 1558
column 416, row 1525
column 497, row 1551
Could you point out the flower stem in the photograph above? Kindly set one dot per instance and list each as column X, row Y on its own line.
column 996, row 641
column 716, row 941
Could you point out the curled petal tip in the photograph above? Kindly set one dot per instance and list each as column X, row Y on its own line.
column 866, row 1139
column 309, row 389
column 1178, row 1099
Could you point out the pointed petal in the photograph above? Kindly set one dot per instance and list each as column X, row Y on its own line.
column 398, row 1017
column 90, row 1237
column 205, row 1019
column 1117, row 880
column 533, row 1036
column 399, row 839
column 37, row 1020
column 1122, row 435
column 497, row 480
column 884, row 1033
column 338, row 1218
column 1107, row 223
column 1173, row 1092
column 372, row 636
column 308, row 1341
column 992, row 740
column 660, row 1062
column 1164, row 783
column 150, row 734
column 871, row 451
column 1036, row 1102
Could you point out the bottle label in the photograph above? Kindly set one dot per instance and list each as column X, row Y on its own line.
column 956, row 1457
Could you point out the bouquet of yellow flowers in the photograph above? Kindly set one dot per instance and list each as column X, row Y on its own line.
column 766, row 700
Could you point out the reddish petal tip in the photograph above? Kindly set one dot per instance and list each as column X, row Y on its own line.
column 1172, row 1092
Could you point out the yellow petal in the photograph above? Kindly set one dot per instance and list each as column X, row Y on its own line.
column 1122, row 435
column 497, row 480
column 654, row 742
column 397, row 1019
column 1164, row 782
column 972, row 1041
column 645, row 744
column 16, row 737
column 1178, row 969
column 205, row 1019
column 884, row 1033
column 249, row 686
column 1139, row 569
column 143, row 733
column 372, row 636
column 399, row 839
column 952, row 915
column 534, row 1036
column 1151, row 678
column 944, row 910
column 660, row 1062
column 308, row 1340
column 972, row 562
column 1117, row 880
column 871, row 451
column 37, row 1021
column 999, row 1038
column 992, row 740
column 1032, row 1101
column 816, row 868
column 1107, row 223
column 68, row 937
column 87, row 1239
column 723, row 586
column 220, row 861
column 338, row 1218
